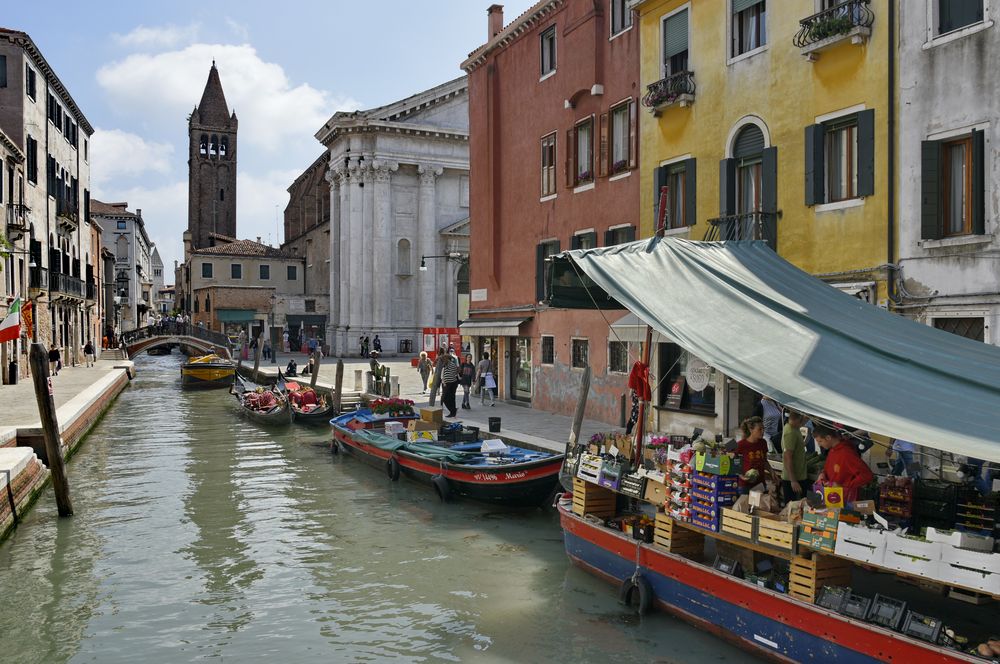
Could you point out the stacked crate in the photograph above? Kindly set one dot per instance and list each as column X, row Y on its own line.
column 934, row 504
column 808, row 575
column 709, row 495
column 818, row 530
column 678, row 539
column 895, row 498
column 592, row 499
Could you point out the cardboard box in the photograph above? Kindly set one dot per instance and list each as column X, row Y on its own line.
column 960, row 539
column 977, row 560
column 912, row 556
column 656, row 492
column 417, row 436
column 721, row 464
column 859, row 543
column 432, row 414
column 962, row 576
column 421, row 425
column 818, row 541
column 864, row 507
column 825, row 519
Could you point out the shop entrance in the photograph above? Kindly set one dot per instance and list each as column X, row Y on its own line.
column 520, row 368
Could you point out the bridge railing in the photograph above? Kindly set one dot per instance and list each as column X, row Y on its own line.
column 166, row 329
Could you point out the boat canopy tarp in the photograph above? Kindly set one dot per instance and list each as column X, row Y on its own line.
column 760, row 320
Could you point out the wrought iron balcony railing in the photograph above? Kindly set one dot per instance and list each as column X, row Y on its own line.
column 851, row 18
column 66, row 284
column 676, row 88
column 746, row 226
column 38, row 278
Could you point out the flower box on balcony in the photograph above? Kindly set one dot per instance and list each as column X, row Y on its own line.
column 676, row 89
column 857, row 34
column 847, row 21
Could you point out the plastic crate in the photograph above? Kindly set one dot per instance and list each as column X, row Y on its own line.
column 934, row 490
column 887, row 612
column 465, row 434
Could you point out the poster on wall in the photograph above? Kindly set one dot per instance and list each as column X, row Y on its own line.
column 676, row 393
column 429, row 342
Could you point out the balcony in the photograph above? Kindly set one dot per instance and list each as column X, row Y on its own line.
column 17, row 221
column 848, row 21
column 65, row 284
column 38, row 278
column 91, row 290
column 676, row 89
column 67, row 215
column 746, row 226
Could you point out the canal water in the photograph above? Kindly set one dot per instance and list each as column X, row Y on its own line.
column 201, row 536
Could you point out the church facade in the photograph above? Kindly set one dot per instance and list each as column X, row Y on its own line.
column 399, row 219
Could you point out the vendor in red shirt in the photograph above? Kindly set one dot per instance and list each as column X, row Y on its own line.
column 844, row 466
column 753, row 453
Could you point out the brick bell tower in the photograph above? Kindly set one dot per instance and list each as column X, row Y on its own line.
column 211, row 166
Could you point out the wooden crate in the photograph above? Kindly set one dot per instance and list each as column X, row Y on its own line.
column 808, row 575
column 738, row 524
column 777, row 534
column 677, row 539
column 589, row 498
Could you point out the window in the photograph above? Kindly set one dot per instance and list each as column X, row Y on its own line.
column 30, row 86
column 542, row 266
column 749, row 25
column 206, row 270
column 621, row 16
column 86, row 150
column 208, row 303
column 586, row 240
column 549, row 165
column 548, row 350
column 956, row 14
column 222, row 194
column 619, row 235
column 581, row 354
column 157, row 272
column 292, row 273
column 675, row 43
column 953, row 198
column 970, row 328
column 840, row 159
column 310, row 305
column 682, row 372
column 583, row 172
column 548, row 51
column 236, row 271
column 121, row 225
column 203, row 145
column 679, row 178
column 3, row 71
column 618, row 356
column 621, row 138
column 265, row 272
column 196, row 304
column 32, row 159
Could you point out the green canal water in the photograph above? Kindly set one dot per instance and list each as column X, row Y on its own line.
column 201, row 536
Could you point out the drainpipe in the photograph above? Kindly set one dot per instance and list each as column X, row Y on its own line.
column 891, row 160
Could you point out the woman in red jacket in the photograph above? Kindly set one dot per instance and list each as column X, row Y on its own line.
column 844, row 466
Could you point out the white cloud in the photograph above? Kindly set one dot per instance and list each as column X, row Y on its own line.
column 119, row 155
column 274, row 114
column 241, row 30
column 166, row 36
column 164, row 210
column 260, row 204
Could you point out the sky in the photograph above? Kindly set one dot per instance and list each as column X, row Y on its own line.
column 137, row 69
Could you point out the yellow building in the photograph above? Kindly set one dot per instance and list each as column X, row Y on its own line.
column 773, row 123
column 766, row 121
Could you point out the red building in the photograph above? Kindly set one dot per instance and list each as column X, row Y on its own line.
column 554, row 165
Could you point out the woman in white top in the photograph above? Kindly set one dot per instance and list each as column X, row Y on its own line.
column 486, row 380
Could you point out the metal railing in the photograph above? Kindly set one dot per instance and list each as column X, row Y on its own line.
column 17, row 217
column 66, row 211
column 165, row 328
column 838, row 20
column 748, row 226
column 38, row 278
column 667, row 90
column 66, row 284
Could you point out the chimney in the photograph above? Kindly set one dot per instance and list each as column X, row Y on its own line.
column 138, row 212
column 495, row 13
column 258, row 239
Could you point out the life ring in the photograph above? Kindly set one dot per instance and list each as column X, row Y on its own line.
column 392, row 469
column 638, row 588
column 441, row 486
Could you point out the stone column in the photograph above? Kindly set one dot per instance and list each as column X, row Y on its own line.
column 367, row 250
column 355, row 293
column 382, row 254
column 427, row 245
column 334, row 177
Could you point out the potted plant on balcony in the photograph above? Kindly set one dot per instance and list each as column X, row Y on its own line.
column 830, row 26
column 619, row 166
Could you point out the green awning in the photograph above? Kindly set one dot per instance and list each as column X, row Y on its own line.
column 760, row 320
column 235, row 315
column 307, row 319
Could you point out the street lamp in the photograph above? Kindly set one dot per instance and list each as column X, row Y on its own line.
column 454, row 256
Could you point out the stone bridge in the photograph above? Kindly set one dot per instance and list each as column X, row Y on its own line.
column 185, row 334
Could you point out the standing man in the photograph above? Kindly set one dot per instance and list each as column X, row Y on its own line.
column 53, row 360
column 439, row 362
column 88, row 353
column 793, row 457
column 449, row 383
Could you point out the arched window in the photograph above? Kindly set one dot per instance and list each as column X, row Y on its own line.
column 121, row 247
column 224, row 146
column 208, row 303
column 462, row 279
column 403, row 257
column 203, row 145
column 222, row 194
column 214, row 147
column 196, row 305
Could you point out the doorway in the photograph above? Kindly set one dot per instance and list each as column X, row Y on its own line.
column 520, row 368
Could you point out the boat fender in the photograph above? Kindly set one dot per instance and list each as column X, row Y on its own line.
column 440, row 483
column 392, row 469
column 636, row 587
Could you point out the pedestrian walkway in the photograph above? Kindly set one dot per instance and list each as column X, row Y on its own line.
column 517, row 422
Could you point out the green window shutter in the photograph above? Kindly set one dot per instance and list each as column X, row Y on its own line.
column 978, row 182
column 930, row 190
column 539, row 272
column 592, row 236
column 660, row 179
column 769, row 180
column 574, row 242
column 866, row 152
column 727, row 187
column 609, row 238
column 740, row 5
column 690, row 192
column 675, row 34
column 815, row 135
column 630, row 234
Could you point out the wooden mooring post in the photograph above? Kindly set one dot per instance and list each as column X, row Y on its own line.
column 256, row 356
column 338, row 388
column 39, row 361
column 315, row 370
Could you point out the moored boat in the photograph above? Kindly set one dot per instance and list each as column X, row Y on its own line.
column 207, row 372
column 309, row 406
column 264, row 405
column 515, row 477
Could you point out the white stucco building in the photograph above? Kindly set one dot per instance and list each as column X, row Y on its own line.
column 124, row 235
column 948, row 176
column 399, row 191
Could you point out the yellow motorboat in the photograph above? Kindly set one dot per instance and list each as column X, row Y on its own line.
column 207, row 371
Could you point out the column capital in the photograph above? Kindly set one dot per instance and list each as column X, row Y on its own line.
column 336, row 174
column 428, row 173
column 382, row 169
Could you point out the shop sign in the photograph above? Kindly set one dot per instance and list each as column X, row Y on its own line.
column 698, row 374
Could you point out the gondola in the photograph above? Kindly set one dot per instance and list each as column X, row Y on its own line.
column 515, row 477
column 308, row 406
column 264, row 405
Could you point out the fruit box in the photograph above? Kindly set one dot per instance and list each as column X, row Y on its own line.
column 824, row 519
column 912, row 556
column 977, row 560
column 720, row 464
column 960, row 539
column 818, row 541
column 969, row 578
column 859, row 543
column 655, row 492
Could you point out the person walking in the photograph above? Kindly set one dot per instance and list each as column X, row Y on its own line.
column 467, row 374
column 903, row 451
column 284, row 341
column 53, row 361
column 449, row 383
column 366, row 345
column 88, row 353
column 487, row 382
column 424, row 366
column 266, row 350
column 377, row 344
column 439, row 362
